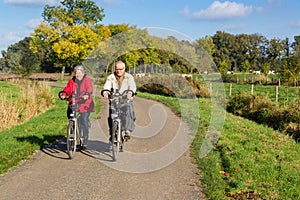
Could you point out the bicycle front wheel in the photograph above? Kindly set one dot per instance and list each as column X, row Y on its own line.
column 115, row 140
column 71, row 139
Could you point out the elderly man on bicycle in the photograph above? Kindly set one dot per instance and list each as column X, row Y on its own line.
column 122, row 81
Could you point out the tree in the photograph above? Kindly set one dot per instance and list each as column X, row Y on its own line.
column 223, row 67
column 73, row 12
column 68, row 32
column 245, row 68
column 275, row 52
column 223, row 48
column 205, row 48
column 19, row 59
column 207, row 44
column 257, row 51
column 291, row 71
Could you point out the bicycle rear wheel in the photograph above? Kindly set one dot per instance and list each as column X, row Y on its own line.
column 115, row 140
column 71, row 139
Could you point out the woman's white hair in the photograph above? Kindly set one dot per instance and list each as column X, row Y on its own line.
column 79, row 67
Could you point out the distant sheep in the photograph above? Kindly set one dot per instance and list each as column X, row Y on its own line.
column 186, row 75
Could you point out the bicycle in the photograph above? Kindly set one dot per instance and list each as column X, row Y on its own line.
column 74, row 132
column 118, row 136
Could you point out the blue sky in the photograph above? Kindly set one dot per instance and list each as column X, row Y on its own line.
column 192, row 18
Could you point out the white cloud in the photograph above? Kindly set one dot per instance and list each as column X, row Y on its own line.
column 218, row 10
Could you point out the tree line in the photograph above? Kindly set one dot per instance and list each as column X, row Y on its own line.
column 71, row 33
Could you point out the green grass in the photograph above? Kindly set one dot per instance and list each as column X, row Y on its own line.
column 10, row 91
column 248, row 161
column 286, row 95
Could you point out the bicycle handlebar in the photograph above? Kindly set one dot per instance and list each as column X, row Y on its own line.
column 68, row 96
column 112, row 94
column 64, row 93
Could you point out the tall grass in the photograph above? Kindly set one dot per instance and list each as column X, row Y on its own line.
column 23, row 100
column 21, row 141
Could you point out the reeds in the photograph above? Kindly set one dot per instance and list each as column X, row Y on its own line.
column 33, row 99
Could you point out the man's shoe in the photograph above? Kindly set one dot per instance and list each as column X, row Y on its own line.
column 126, row 136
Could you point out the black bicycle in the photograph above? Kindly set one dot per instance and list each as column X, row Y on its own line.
column 74, row 132
column 118, row 136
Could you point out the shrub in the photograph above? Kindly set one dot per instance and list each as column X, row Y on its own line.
column 172, row 85
column 262, row 110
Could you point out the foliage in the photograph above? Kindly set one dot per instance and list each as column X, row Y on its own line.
column 137, row 48
column 263, row 111
column 173, row 86
column 72, row 12
column 70, row 32
column 19, row 59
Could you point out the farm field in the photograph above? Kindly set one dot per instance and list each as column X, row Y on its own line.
column 286, row 94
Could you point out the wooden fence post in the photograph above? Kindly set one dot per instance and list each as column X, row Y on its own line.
column 252, row 89
column 230, row 89
column 276, row 98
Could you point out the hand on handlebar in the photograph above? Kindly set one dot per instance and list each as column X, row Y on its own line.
column 129, row 95
column 105, row 95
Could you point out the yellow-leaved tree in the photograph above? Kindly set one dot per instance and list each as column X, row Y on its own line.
column 68, row 33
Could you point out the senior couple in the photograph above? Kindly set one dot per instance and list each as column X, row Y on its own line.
column 81, row 85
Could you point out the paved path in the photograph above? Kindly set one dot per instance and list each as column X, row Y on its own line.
column 155, row 165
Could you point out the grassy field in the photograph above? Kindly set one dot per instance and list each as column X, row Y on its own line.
column 286, row 95
column 248, row 161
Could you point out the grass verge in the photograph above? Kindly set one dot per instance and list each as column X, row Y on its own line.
column 21, row 141
column 249, row 161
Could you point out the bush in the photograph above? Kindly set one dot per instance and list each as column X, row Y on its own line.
column 263, row 111
column 172, row 85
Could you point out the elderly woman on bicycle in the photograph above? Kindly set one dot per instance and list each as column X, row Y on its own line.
column 122, row 81
column 81, row 86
